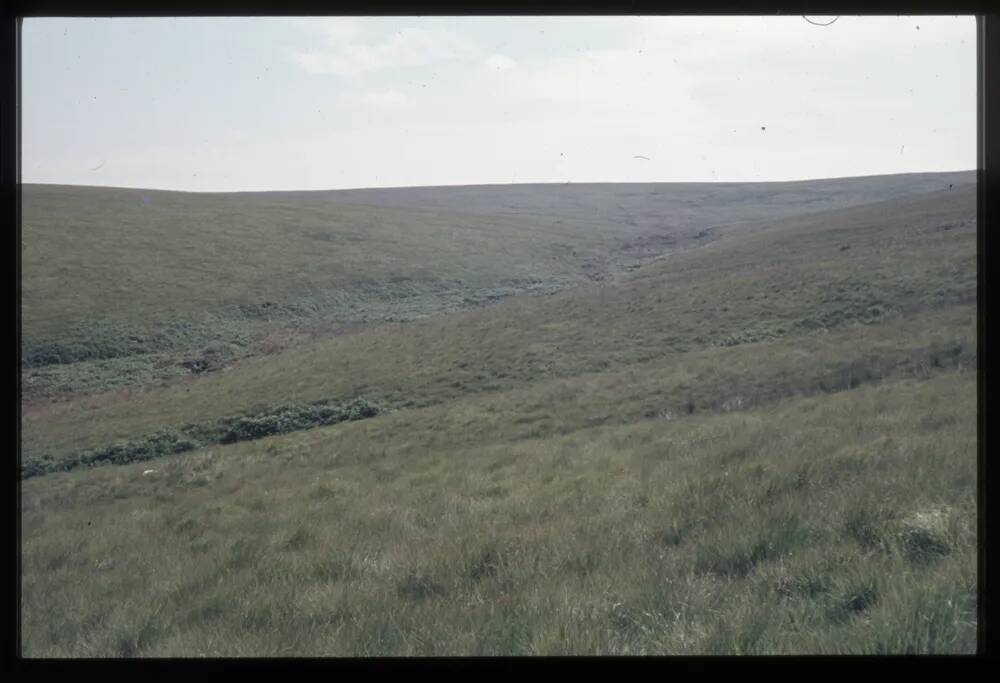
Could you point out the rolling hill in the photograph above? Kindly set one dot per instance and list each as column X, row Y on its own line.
column 694, row 419
column 126, row 287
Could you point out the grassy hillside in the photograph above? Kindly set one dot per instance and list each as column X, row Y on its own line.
column 653, row 206
column 791, row 280
column 126, row 287
column 836, row 524
column 763, row 443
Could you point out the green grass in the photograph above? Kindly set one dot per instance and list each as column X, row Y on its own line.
column 247, row 427
column 761, row 444
column 784, row 529
column 157, row 284
column 765, row 285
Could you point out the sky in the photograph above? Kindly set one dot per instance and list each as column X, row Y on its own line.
column 282, row 103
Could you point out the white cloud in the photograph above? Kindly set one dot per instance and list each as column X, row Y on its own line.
column 689, row 93
column 388, row 98
column 332, row 29
column 500, row 63
column 586, row 89
column 350, row 54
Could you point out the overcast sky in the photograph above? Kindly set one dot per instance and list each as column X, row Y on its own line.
column 214, row 104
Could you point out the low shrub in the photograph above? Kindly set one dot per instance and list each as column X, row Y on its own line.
column 286, row 419
column 247, row 427
column 164, row 442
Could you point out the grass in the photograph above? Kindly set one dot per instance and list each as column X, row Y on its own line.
column 247, row 427
column 764, row 443
column 167, row 283
column 636, row 539
column 763, row 285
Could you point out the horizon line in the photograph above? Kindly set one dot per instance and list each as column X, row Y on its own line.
column 484, row 185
